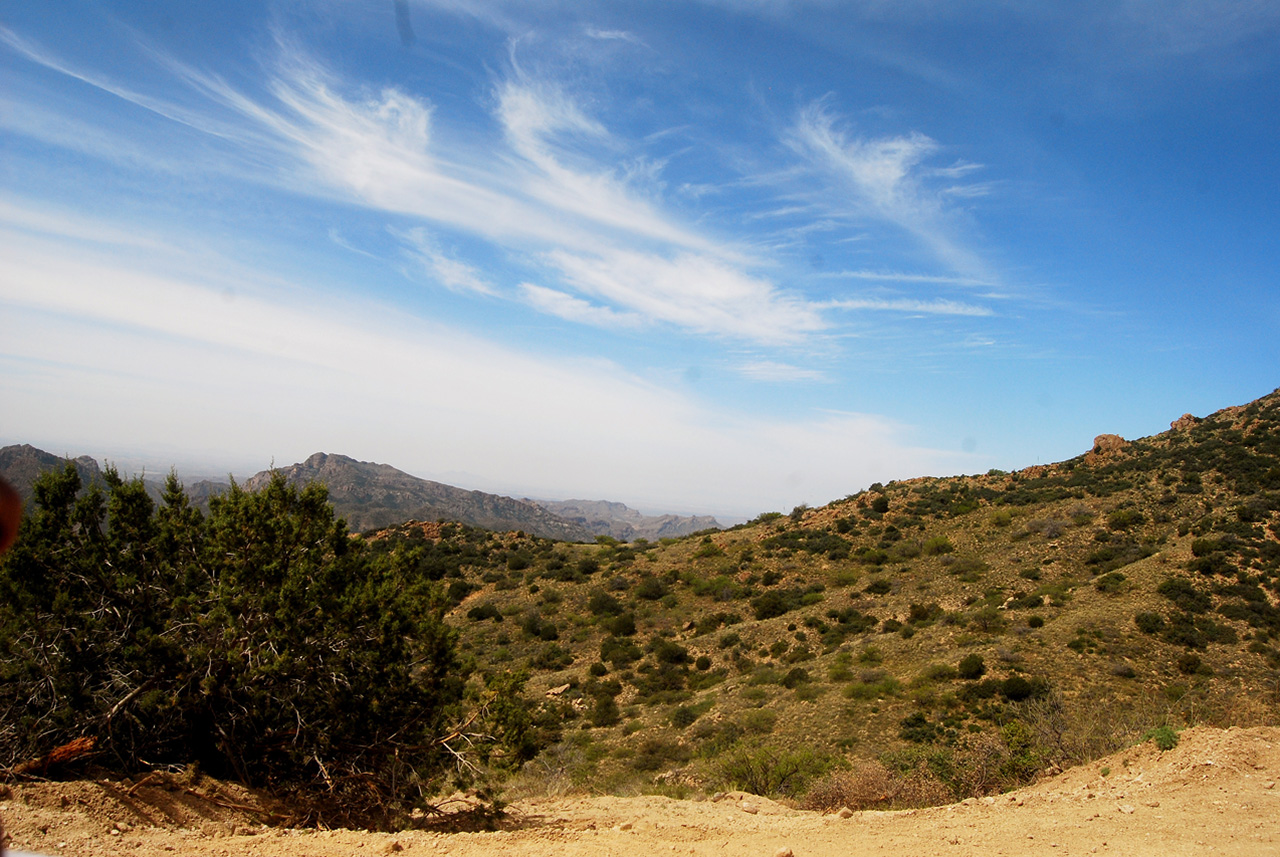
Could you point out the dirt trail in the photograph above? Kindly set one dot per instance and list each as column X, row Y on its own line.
column 1215, row 793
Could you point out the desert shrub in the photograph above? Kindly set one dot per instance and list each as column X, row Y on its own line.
column 622, row 625
column 873, row 556
column 869, row 784
column 654, row 754
column 871, row 655
column 1189, row 663
column 873, row 684
column 1117, row 553
column 720, row 588
column 967, row 568
column 1148, row 622
column 1111, row 583
column 1123, row 519
column 484, row 611
column 759, row 720
column 619, row 651
column 651, row 588
column 779, row 602
column 202, row 639
column 773, row 772
column 601, row 603
column 1035, row 621
column 937, row 546
column 535, row 627
column 684, row 716
column 879, row 586
column 940, row 672
column 1000, row 518
column 551, row 657
column 923, row 614
column 667, row 652
column 795, row 677
column 915, row 727
column 971, row 667
column 604, row 712
column 1163, row 737
column 811, row 541
column 1185, row 595
column 988, row 620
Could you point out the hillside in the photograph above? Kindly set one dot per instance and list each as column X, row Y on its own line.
column 20, row 464
column 911, row 644
column 377, row 495
column 957, row 634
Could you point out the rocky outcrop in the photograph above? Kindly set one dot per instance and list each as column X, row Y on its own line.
column 1105, row 446
column 20, row 464
column 1185, row 421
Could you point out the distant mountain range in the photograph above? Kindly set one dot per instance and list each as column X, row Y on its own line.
column 625, row 524
column 20, row 464
column 371, row 495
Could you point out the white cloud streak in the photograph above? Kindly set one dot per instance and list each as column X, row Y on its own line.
column 691, row 291
column 903, row 277
column 570, row 308
column 886, row 181
column 907, row 305
column 772, row 371
column 546, row 195
column 455, row 275
column 243, row 370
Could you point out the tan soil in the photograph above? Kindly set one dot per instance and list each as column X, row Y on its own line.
column 1215, row 793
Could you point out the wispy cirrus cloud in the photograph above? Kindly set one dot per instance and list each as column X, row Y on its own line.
column 556, row 190
column 908, row 305
column 772, row 371
column 904, row 277
column 575, row 309
column 691, row 291
column 886, row 179
column 440, row 267
column 546, row 128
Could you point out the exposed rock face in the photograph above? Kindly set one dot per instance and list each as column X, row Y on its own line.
column 1105, row 446
column 1185, row 421
column 20, row 464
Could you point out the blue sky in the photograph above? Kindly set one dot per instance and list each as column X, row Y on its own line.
column 724, row 256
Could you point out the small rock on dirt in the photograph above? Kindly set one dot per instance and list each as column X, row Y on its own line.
column 750, row 807
column 845, row 812
column 783, row 852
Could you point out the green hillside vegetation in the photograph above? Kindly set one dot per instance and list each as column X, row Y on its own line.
column 917, row 642
column 940, row 638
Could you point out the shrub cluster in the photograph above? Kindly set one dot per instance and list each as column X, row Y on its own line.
column 260, row 642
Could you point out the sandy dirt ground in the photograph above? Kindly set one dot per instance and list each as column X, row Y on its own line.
column 1215, row 793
